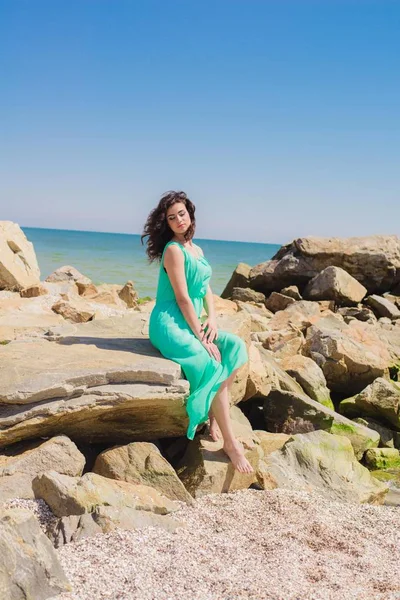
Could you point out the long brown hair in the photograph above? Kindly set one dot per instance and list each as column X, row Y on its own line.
column 157, row 229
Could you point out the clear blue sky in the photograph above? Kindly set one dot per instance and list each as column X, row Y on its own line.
column 279, row 119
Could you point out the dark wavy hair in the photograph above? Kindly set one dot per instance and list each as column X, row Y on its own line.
column 157, row 229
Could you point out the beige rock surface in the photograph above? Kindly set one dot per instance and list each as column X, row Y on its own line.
column 247, row 295
column 18, row 264
column 326, row 463
column 206, row 469
column 374, row 261
column 39, row 370
column 20, row 464
column 29, row 567
column 129, row 295
column 67, row 273
column 380, row 399
column 73, row 311
column 277, row 301
column 76, row 495
column 105, row 519
column 284, row 343
column 141, row 462
column 259, row 380
column 351, row 356
column 310, row 376
column 293, row 413
column 239, row 278
column 224, row 306
column 383, row 307
column 33, row 291
column 333, row 283
column 298, row 315
column 105, row 414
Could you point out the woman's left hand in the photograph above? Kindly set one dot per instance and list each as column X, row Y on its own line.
column 210, row 328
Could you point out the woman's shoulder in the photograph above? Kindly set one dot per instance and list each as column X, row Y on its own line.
column 173, row 249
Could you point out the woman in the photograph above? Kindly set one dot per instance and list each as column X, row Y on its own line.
column 209, row 358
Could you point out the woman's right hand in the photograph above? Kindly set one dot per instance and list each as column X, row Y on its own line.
column 212, row 349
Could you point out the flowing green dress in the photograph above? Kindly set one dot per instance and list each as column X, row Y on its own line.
column 172, row 336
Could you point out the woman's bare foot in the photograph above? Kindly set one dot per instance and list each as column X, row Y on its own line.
column 236, row 454
column 215, row 431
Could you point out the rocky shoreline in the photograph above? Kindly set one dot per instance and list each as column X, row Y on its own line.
column 93, row 421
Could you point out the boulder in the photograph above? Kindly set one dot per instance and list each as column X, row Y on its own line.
column 108, row 294
column 20, row 464
column 373, row 261
column 76, row 495
column 350, row 355
column 67, row 274
column 29, row 567
column 299, row 315
column 239, row 278
column 265, row 374
column 86, row 289
column 323, row 463
column 72, row 311
column 291, row 413
column 280, row 380
column 223, row 306
column 142, row 462
column 239, row 324
column 73, row 528
column 259, row 380
column 109, row 518
column 333, row 283
column 362, row 313
column 105, row 519
column 206, row 469
column 292, row 291
column 33, row 291
column 389, row 438
column 283, row 343
column 259, row 315
column 310, row 376
column 129, row 295
column 276, row 302
column 382, row 458
column 380, row 400
column 247, row 295
column 383, row 307
column 18, row 264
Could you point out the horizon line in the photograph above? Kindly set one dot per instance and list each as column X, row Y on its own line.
column 138, row 234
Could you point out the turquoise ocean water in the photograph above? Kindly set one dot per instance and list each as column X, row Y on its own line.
column 118, row 257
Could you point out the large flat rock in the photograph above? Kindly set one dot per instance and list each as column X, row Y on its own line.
column 100, row 381
column 40, row 370
column 106, row 414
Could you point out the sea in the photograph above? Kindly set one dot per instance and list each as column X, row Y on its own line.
column 119, row 257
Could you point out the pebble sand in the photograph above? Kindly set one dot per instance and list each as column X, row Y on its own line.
column 248, row 545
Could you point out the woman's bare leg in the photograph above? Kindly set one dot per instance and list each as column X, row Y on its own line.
column 215, row 431
column 233, row 448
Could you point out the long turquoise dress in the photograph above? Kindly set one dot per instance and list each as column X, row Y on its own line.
column 172, row 336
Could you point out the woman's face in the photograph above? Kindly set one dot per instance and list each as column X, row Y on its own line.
column 178, row 218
